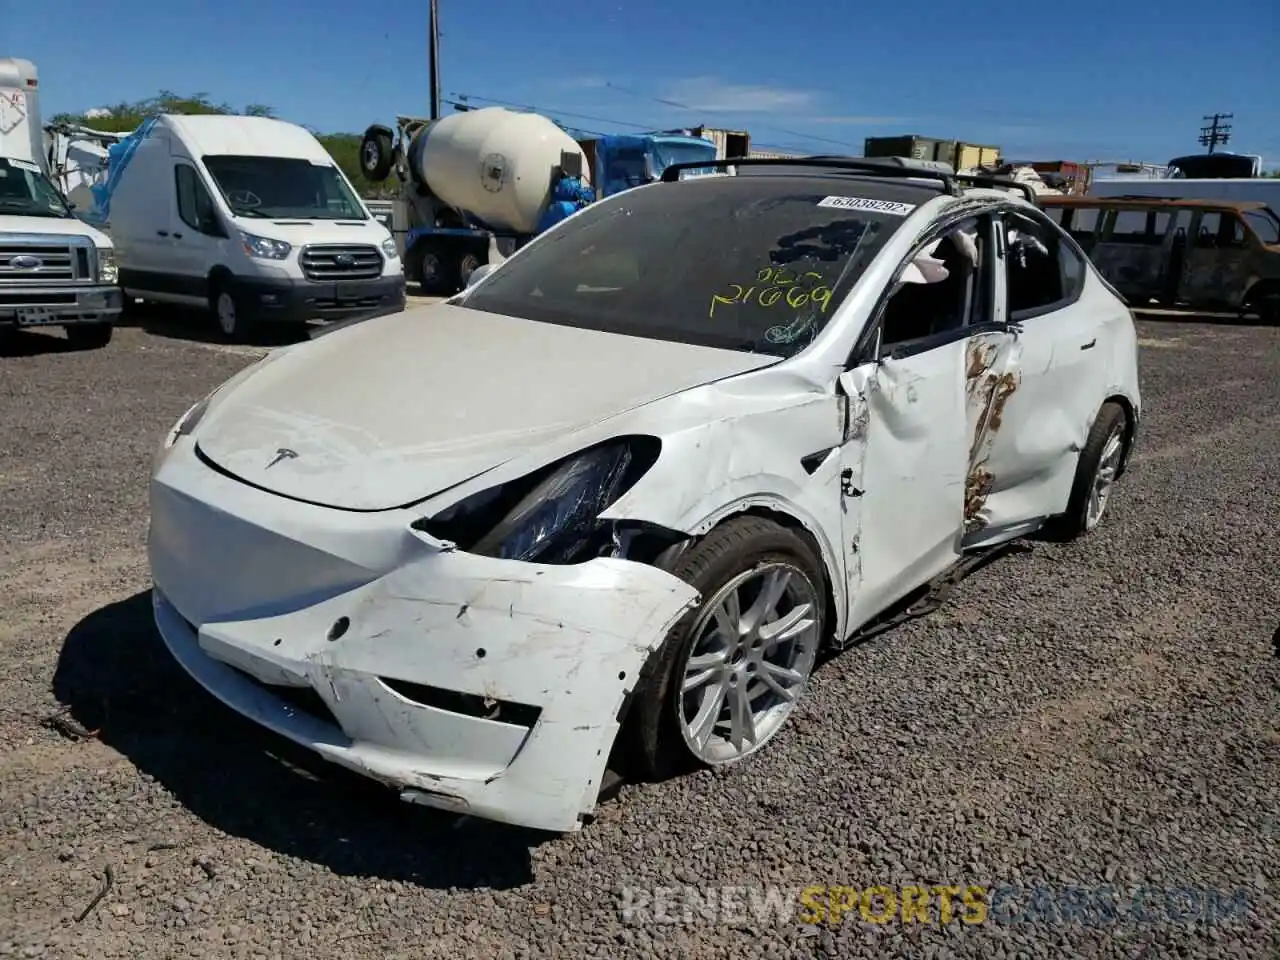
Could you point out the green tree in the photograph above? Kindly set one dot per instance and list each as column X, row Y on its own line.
column 126, row 116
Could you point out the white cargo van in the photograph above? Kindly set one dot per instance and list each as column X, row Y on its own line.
column 54, row 269
column 248, row 217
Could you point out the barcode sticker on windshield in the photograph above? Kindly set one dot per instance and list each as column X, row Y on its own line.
column 891, row 207
column 24, row 165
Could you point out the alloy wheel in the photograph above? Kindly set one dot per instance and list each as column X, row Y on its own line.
column 753, row 649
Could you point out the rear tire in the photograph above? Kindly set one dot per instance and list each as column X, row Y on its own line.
column 660, row 737
column 89, row 336
column 1099, row 465
column 468, row 263
column 434, row 269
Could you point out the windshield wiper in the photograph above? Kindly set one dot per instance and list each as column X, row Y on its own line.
column 24, row 210
column 250, row 212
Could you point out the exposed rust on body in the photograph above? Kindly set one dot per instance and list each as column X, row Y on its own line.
column 988, row 392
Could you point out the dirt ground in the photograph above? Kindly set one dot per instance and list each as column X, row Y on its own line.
column 1103, row 712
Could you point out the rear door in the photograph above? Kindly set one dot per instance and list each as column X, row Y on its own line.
column 1216, row 267
column 1130, row 252
column 1041, row 395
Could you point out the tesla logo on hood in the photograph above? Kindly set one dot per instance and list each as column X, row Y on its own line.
column 284, row 453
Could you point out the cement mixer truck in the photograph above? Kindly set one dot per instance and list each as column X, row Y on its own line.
column 475, row 186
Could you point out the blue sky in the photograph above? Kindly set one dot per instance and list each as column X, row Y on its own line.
column 1081, row 80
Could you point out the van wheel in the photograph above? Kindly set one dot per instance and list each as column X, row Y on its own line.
column 732, row 669
column 89, row 336
column 227, row 311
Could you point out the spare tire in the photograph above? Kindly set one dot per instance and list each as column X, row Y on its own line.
column 377, row 156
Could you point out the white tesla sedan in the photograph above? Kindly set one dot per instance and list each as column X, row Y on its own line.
column 614, row 497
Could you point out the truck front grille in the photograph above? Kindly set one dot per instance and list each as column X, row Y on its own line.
column 328, row 262
column 27, row 263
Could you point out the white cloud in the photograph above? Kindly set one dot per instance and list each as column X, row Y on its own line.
column 712, row 95
column 96, row 112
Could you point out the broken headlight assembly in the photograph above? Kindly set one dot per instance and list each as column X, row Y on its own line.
column 551, row 516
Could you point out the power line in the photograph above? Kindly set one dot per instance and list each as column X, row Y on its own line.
column 463, row 101
column 1216, row 132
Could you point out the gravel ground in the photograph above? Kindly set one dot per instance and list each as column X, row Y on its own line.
column 1099, row 713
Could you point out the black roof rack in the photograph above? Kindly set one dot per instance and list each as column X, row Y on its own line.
column 875, row 166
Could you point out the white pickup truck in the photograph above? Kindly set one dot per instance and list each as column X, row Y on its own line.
column 55, row 270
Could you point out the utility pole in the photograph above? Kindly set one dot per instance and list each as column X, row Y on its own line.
column 433, row 32
column 1215, row 133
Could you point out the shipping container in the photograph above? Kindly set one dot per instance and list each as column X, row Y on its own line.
column 912, row 147
column 969, row 155
column 729, row 143
column 955, row 152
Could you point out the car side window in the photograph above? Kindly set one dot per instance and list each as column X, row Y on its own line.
column 945, row 287
column 195, row 206
column 1043, row 271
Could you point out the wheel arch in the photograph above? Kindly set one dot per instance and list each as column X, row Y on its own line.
column 789, row 520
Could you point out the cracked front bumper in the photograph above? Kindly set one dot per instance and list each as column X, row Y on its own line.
column 482, row 686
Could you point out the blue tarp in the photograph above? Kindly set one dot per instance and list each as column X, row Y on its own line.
column 624, row 161
column 118, row 157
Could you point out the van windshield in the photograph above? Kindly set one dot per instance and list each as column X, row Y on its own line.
column 26, row 192
column 1265, row 225
column 280, row 187
column 751, row 263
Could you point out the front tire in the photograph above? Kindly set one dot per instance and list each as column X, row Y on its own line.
column 228, row 312
column 1096, row 471
column 89, row 336
column 731, row 671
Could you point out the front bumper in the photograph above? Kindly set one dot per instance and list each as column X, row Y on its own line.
column 481, row 686
column 34, row 306
column 297, row 301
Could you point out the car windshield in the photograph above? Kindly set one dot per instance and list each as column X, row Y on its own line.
column 26, row 192
column 1264, row 224
column 751, row 263
column 279, row 187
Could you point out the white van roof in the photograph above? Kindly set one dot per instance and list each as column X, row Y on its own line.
column 214, row 134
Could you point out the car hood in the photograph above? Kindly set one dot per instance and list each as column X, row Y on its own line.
column 300, row 230
column 52, row 226
column 393, row 410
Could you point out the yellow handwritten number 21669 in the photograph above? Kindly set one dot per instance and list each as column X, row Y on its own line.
column 775, row 285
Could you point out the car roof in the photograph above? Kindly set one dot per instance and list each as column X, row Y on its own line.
column 923, row 180
column 893, row 190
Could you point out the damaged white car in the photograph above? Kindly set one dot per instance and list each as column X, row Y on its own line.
column 613, row 499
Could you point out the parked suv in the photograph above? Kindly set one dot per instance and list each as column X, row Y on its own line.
column 616, row 497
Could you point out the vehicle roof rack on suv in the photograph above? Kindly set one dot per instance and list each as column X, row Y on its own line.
column 903, row 167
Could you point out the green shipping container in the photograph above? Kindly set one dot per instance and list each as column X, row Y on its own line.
column 911, row 147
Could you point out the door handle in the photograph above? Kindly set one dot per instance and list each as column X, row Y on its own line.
column 177, row 236
column 1090, row 345
column 163, row 233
